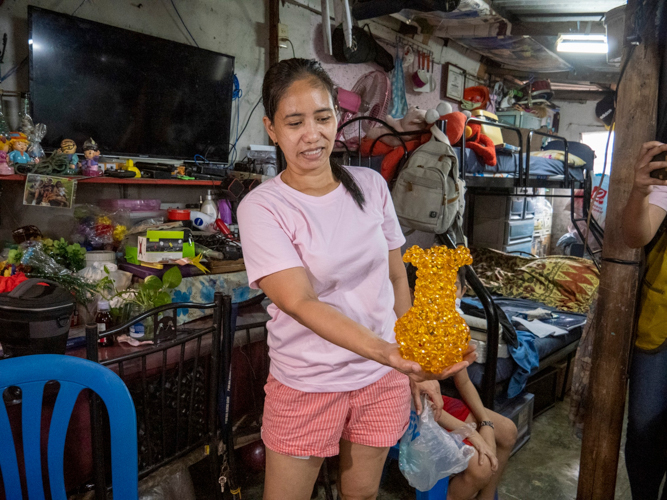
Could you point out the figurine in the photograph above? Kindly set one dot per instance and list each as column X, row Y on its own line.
column 19, row 144
column 5, row 169
column 90, row 165
column 68, row 147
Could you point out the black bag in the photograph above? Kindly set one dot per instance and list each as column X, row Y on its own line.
column 364, row 48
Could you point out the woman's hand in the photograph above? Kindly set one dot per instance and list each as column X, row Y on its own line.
column 644, row 166
column 393, row 358
column 484, row 451
column 432, row 389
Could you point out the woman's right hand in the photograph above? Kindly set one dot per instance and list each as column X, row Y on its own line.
column 644, row 166
column 417, row 374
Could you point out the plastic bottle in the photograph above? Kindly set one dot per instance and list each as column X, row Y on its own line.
column 209, row 206
column 202, row 221
column 104, row 322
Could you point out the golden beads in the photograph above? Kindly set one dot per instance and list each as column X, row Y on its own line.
column 432, row 333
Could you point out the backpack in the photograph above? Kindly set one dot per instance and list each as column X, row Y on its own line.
column 428, row 194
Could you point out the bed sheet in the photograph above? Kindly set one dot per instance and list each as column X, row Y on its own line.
column 509, row 164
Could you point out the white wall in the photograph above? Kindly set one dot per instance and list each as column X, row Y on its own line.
column 577, row 117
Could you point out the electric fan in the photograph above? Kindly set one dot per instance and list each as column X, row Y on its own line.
column 369, row 97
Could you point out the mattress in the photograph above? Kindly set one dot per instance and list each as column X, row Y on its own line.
column 508, row 166
column 547, row 346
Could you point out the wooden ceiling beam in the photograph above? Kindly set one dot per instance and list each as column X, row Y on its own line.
column 554, row 28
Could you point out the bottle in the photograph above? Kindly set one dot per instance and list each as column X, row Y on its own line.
column 209, row 206
column 104, row 322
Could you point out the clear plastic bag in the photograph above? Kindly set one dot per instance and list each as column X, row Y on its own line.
column 428, row 453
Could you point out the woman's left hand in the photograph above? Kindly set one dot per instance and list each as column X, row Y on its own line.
column 392, row 357
column 432, row 389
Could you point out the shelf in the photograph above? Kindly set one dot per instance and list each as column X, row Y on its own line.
column 131, row 181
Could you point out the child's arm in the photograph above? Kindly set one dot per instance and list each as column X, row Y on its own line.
column 470, row 397
column 484, row 449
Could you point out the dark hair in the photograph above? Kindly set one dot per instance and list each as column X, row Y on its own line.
column 279, row 78
column 461, row 276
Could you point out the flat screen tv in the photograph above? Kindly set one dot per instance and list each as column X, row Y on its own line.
column 134, row 94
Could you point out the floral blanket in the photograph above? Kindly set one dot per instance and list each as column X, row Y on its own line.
column 564, row 282
column 202, row 289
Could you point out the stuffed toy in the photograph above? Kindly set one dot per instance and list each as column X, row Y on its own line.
column 481, row 144
column 413, row 121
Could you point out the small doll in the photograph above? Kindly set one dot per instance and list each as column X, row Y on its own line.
column 90, row 165
column 19, row 145
column 68, row 147
column 5, row 169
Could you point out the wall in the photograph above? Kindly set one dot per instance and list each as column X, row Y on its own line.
column 575, row 117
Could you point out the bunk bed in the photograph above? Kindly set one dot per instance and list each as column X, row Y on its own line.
column 513, row 176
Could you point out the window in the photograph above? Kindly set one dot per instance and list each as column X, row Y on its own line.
column 597, row 141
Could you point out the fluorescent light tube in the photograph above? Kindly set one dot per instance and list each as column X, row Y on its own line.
column 583, row 44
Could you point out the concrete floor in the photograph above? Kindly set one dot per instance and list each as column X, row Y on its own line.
column 546, row 468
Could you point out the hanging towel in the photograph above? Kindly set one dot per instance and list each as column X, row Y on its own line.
column 526, row 356
column 399, row 102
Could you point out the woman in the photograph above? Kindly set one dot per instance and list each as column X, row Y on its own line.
column 323, row 242
column 647, row 407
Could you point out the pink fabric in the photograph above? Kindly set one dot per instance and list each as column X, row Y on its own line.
column 345, row 253
column 306, row 424
column 658, row 197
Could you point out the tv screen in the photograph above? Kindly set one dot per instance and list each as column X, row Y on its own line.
column 134, row 94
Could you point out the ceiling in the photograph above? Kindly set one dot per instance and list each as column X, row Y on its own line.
column 521, row 22
column 561, row 10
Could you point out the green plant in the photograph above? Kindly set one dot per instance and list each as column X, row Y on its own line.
column 72, row 257
column 15, row 256
column 154, row 292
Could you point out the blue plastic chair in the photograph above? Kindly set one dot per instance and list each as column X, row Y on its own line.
column 438, row 492
column 30, row 374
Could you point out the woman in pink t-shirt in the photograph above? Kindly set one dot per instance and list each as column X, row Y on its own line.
column 323, row 242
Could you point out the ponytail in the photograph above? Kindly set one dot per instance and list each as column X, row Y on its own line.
column 343, row 176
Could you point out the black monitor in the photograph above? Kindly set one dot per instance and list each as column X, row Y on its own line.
column 134, row 94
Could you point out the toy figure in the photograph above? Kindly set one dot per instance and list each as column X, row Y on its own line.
column 68, row 147
column 5, row 169
column 19, row 144
column 90, row 165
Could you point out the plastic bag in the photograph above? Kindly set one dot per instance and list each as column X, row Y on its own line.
column 428, row 453
column 97, row 229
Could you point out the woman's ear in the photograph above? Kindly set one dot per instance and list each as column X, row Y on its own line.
column 268, row 126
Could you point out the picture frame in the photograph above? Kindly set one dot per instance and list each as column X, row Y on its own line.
column 49, row 191
column 453, row 82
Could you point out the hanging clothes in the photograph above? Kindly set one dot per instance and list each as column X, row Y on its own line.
column 399, row 101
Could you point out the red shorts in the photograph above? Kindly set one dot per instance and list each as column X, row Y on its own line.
column 457, row 409
column 305, row 424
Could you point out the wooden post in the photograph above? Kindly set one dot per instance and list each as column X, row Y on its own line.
column 274, row 21
column 636, row 120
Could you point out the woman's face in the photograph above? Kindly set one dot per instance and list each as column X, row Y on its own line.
column 304, row 125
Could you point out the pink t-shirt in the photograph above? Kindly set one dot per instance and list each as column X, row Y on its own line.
column 345, row 252
column 658, row 197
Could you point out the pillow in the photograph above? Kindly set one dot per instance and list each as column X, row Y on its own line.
column 560, row 156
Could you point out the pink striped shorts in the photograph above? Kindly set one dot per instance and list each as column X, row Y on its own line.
column 305, row 424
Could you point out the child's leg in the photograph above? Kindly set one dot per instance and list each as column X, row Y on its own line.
column 467, row 484
column 505, row 431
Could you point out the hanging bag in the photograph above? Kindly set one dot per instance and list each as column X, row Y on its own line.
column 364, row 48
column 428, row 194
